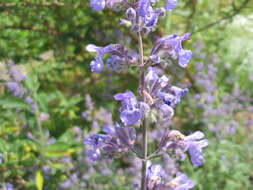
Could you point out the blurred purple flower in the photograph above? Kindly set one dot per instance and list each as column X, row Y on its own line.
column 15, row 88
column 171, row 4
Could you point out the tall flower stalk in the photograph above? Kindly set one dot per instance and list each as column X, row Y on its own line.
column 158, row 97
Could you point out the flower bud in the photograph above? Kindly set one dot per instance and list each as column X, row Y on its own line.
column 131, row 13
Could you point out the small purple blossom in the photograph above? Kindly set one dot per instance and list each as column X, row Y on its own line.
column 154, row 176
column 181, row 182
column 130, row 112
column 97, row 5
column 117, row 51
column 194, row 147
column 172, row 45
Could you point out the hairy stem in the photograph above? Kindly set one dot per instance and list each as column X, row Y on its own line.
column 144, row 127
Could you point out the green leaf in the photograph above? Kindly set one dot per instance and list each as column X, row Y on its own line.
column 59, row 149
column 39, row 180
column 13, row 102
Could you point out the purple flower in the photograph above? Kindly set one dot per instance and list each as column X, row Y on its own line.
column 16, row 74
column 16, row 89
column 181, row 182
column 117, row 141
column 97, row 5
column 194, row 147
column 130, row 112
column 33, row 104
column 172, row 45
column 97, row 65
column 171, row 4
column 154, row 174
column 156, row 180
column 94, row 154
column 115, row 50
column 131, row 13
column 180, row 143
column 9, row 186
column 145, row 7
column 160, row 94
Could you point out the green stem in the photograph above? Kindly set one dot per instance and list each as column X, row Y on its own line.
column 144, row 126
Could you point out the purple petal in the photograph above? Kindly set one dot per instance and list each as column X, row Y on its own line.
column 97, row 5
column 171, row 4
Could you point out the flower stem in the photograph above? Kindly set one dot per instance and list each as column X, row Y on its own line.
column 144, row 126
column 144, row 162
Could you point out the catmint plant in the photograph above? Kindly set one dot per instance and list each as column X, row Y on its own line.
column 156, row 96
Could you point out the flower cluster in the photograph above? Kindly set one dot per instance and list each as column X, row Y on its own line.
column 174, row 140
column 16, row 77
column 16, row 85
column 171, row 47
column 156, row 180
column 143, row 18
column 160, row 94
column 115, row 142
column 119, row 55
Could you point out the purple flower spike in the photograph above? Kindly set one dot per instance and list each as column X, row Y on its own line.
column 171, row 4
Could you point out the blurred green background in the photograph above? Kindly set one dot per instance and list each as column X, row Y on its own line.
column 47, row 40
